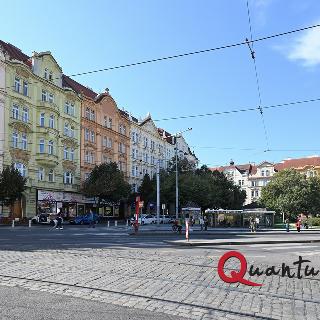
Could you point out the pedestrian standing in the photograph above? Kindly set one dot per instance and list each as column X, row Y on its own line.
column 298, row 225
column 201, row 223
column 287, row 225
column 205, row 220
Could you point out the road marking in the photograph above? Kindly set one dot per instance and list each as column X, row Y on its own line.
column 276, row 245
column 101, row 234
column 308, row 253
column 291, row 247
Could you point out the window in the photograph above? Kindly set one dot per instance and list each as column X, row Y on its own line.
column 25, row 88
column 21, row 168
column 71, row 132
column 50, row 76
column 120, row 128
column 133, row 154
column 267, row 173
column 72, row 154
column 133, row 171
column 110, row 123
column 51, row 175
column 239, row 182
column 92, row 136
column 65, row 153
column 86, row 134
column 105, row 121
column 262, row 173
column 69, row 108
column 51, row 98
column 152, row 145
column 17, row 84
column 66, row 129
column 253, row 183
column 41, row 120
column 104, row 142
column 15, row 137
column 257, row 193
column 109, row 143
column 40, row 174
column 44, row 95
column 51, row 121
column 86, row 175
column 252, row 193
column 86, row 157
column 46, row 73
column 68, row 178
column 24, row 141
column 41, row 145
column 25, row 114
column 50, row 147
column 92, row 115
column 15, row 112
column 88, row 113
column 71, row 111
column 91, row 157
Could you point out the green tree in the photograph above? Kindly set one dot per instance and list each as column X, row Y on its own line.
column 107, row 183
column 146, row 190
column 289, row 193
column 12, row 185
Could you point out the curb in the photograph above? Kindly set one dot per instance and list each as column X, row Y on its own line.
column 236, row 243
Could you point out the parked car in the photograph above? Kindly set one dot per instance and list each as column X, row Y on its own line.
column 165, row 219
column 44, row 218
column 144, row 219
column 85, row 219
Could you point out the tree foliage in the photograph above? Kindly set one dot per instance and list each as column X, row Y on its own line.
column 12, row 185
column 146, row 190
column 107, row 183
column 202, row 186
column 291, row 193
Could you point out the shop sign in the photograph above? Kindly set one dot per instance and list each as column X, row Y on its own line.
column 52, row 196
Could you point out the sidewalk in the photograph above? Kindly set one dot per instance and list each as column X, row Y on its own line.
column 309, row 238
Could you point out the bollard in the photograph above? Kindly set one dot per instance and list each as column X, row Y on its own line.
column 29, row 223
column 108, row 224
column 12, row 224
column 116, row 223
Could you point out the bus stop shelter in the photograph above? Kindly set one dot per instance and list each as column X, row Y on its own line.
column 239, row 218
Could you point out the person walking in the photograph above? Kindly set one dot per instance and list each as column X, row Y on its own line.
column 298, row 225
column 91, row 219
column 59, row 221
column 287, row 225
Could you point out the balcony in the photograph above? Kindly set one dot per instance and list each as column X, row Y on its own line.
column 47, row 160
column 19, row 154
column 51, row 106
column 20, row 124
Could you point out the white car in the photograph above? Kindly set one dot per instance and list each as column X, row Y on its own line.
column 44, row 218
column 144, row 219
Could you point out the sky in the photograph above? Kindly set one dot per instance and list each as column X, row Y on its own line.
column 90, row 35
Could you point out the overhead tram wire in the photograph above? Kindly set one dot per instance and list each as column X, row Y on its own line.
column 218, row 113
column 253, row 56
column 227, row 46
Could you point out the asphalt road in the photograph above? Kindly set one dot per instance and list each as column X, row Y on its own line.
column 110, row 268
column 22, row 304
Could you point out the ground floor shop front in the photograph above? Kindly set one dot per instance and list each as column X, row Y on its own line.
column 51, row 202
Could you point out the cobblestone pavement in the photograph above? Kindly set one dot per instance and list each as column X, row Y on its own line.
column 157, row 280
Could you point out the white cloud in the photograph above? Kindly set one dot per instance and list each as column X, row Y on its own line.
column 306, row 48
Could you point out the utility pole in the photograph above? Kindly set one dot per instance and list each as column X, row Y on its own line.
column 177, row 180
column 158, row 192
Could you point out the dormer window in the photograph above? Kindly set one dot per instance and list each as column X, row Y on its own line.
column 46, row 73
column 50, row 76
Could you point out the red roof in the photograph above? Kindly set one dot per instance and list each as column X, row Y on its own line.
column 298, row 163
column 14, row 52
column 78, row 87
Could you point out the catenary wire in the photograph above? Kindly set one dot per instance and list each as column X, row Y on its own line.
column 189, row 53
